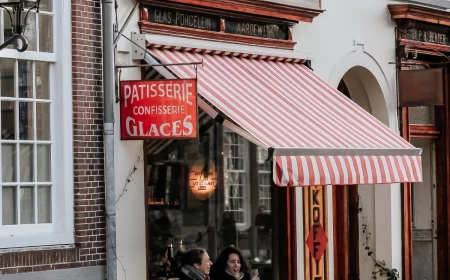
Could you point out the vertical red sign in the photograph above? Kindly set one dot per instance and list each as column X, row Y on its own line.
column 163, row 109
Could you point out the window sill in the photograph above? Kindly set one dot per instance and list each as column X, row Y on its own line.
column 33, row 238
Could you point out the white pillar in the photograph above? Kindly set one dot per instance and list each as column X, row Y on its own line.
column 388, row 225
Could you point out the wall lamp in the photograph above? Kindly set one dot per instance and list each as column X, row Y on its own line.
column 15, row 9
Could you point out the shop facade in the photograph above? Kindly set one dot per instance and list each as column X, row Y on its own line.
column 160, row 204
column 422, row 48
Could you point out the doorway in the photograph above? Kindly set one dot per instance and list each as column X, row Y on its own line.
column 346, row 225
column 423, row 207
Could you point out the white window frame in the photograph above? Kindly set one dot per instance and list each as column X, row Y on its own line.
column 61, row 230
column 247, row 199
column 260, row 186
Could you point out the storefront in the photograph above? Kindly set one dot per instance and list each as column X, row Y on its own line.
column 422, row 64
column 266, row 124
column 258, row 134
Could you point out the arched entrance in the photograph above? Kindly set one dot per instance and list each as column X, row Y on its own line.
column 361, row 86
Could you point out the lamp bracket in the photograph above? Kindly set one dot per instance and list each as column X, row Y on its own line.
column 18, row 39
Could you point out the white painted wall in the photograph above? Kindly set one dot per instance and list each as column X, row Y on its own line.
column 131, row 206
column 350, row 33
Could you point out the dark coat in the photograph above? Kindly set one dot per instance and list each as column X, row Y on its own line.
column 184, row 277
column 223, row 275
column 229, row 232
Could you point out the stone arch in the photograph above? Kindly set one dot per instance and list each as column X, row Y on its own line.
column 373, row 88
column 367, row 84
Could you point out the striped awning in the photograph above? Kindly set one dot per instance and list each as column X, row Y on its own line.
column 317, row 135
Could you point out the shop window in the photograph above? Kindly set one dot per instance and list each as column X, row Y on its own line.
column 264, row 179
column 35, row 125
column 211, row 193
column 236, row 177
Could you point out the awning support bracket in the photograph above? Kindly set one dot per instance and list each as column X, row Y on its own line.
column 270, row 154
column 195, row 63
column 307, row 63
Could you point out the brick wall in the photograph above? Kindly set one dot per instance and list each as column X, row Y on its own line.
column 89, row 189
column 88, row 131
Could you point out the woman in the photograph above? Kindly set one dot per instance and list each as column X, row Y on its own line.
column 230, row 265
column 195, row 265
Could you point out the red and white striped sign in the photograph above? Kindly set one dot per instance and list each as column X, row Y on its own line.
column 320, row 137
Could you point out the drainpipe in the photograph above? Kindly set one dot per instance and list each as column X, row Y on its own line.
column 108, row 126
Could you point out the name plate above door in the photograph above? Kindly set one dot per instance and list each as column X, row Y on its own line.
column 217, row 23
column 183, row 18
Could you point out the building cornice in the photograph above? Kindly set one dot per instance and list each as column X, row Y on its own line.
column 419, row 13
column 252, row 7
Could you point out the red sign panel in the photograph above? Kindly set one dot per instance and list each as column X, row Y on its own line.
column 317, row 241
column 163, row 109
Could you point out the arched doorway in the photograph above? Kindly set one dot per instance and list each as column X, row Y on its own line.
column 361, row 86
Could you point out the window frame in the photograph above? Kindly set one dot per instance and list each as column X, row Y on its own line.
column 268, row 208
column 247, row 191
column 60, row 231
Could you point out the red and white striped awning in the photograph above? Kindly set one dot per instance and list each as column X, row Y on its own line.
column 317, row 135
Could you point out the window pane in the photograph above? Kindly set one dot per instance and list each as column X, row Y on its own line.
column 43, row 163
column 7, row 27
column 30, row 30
column 7, row 77
column 421, row 115
column 235, row 177
column 9, row 163
column 9, row 213
column 26, row 163
column 46, row 5
column 44, row 204
column 27, row 205
column 8, row 120
column 26, row 121
column 45, row 33
column 262, row 155
column 43, row 121
column 25, row 79
column 42, row 80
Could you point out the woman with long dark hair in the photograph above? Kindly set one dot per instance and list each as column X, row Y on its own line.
column 230, row 265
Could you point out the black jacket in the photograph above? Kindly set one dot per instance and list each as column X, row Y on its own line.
column 182, row 276
column 223, row 275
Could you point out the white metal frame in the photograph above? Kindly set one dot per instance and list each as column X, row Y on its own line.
column 60, row 231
